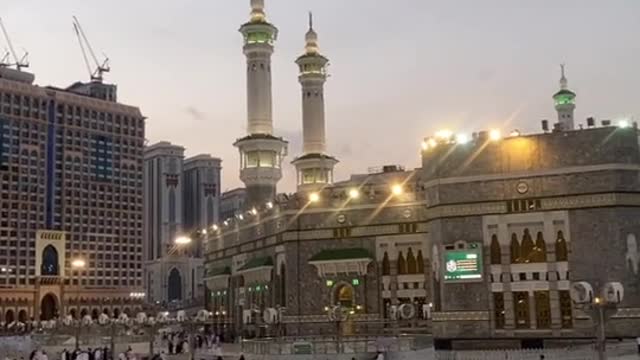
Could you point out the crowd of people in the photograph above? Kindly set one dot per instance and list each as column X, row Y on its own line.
column 179, row 342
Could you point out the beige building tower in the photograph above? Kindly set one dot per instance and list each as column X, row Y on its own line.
column 314, row 167
column 261, row 153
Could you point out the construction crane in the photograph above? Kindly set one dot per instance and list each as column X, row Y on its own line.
column 20, row 63
column 100, row 68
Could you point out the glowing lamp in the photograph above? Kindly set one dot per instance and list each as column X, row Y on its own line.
column 215, row 227
column 78, row 263
column 269, row 205
column 397, row 190
column 314, row 197
column 495, row 135
column 254, row 211
column 354, row 193
column 203, row 231
column 462, row 139
column 444, row 134
column 623, row 124
column 183, row 240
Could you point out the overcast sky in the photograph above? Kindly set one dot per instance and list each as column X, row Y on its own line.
column 400, row 69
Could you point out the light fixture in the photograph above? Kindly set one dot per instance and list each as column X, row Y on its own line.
column 214, row 227
column 495, row 135
column 425, row 145
column 354, row 193
column 462, row 139
column 358, row 307
column 78, row 263
column 203, row 231
column 314, row 197
column 183, row 240
column 397, row 189
column 226, row 223
column 269, row 205
column 432, row 143
column 623, row 124
column 329, row 283
column 254, row 211
column 326, row 308
column 444, row 134
column 514, row 133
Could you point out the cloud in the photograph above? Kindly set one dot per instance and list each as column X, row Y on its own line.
column 195, row 113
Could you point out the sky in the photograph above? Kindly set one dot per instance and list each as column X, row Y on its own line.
column 400, row 69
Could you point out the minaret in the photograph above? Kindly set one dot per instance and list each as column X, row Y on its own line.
column 565, row 101
column 314, row 167
column 261, row 153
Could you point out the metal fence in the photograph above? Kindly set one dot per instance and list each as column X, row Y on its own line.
column 327, row 345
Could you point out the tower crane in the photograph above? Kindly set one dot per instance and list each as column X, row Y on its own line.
column 20, row 63
column 100, row 68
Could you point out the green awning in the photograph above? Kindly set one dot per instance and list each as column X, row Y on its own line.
column 257, row 263
column 218, row 271
column 341, row 254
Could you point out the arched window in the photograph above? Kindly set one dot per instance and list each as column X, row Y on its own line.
column 386, row 266
column 562, row 253
column 49, row 261
column 420, row 261
column 496, row 255
column 412, row 267
column 526, row 249
column 515, row 250
column 540, row 249
column 175, row 285
column 402, row 264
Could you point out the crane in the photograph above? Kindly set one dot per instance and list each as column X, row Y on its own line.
column 19, row 62
column 100, row 68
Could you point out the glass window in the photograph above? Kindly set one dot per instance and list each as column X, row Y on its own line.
column 252, row 159
column 498, row 306
column 565, row 309
column 521, row 306
column 267, row 159
column 543, row 309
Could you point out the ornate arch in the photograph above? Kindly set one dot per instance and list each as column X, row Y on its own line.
column 402, row 264
column 412, row 266
column 562, row 252
column 515, row 250
column 496, row 253
column 527, row 248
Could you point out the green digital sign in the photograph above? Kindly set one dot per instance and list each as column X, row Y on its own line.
column 463, row 265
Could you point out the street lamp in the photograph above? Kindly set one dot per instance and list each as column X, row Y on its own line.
column 183, row 240
column 599, row 308
column 77, row 265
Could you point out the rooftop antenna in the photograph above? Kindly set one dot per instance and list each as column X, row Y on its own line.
column 19, row 62
column 100, row 68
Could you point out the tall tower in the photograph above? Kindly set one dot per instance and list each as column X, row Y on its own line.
column 261, row 153
column 565, row 101
column 314, row 167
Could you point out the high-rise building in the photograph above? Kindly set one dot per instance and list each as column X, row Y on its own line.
column 181, row 199
column 201, row 199
column 70, row 200
column 163, row 197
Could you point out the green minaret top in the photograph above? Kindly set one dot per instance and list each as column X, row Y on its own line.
column 564, row 96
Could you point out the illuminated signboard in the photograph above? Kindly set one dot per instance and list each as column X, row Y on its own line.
column 463, row 265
